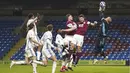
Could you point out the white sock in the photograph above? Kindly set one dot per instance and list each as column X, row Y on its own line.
column 67, row 64
column 70, row 64
column 19, row 62
column 54, row 67
column 38, row 62
column 34, row 67
column 63, row 64
column 38, row 55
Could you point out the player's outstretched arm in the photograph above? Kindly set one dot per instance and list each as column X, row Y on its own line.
column 67, row 30
column 48, row 41
column 71, row 27
column 101, row 14
column 92, row 24
column 35, row 19
column 102, row 7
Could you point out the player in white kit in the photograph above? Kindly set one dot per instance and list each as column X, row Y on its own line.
column 63, row 52
column 47, row 51
column 30, row 56
column 59, row 42
column 34, row 20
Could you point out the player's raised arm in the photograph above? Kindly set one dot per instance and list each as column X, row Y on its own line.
column 102, row 7
column 31, row 35
column 34, row 19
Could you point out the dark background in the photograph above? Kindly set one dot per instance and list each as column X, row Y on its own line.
column 61, row 7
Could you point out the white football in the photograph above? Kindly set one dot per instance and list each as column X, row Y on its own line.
column 102, row 4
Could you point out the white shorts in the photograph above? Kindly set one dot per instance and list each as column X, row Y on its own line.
column 47, row 53
column 29, row 53
column 78, row 40
column 68, row 39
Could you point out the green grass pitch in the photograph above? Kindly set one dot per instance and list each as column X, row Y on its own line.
column 4, row 68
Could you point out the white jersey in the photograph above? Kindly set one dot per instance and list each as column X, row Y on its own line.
column 47, row 39
column 59, row 40
column 47, row 45
column 34, row 28
column 29, row 52
column 29, row 43
column 33, row 21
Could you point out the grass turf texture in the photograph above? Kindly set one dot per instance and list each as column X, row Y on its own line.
column 4, row 68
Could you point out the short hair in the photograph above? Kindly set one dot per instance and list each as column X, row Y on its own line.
column 30, row 26
column 49, row 27
column 30, row 15
column 81, row 15
column 67, row 15
column 57, row 30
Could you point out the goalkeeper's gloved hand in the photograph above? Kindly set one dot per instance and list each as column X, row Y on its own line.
column 95, row 22
column 102, row 6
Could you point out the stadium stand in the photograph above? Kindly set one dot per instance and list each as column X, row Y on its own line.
column 117, row 44
column 7, row 38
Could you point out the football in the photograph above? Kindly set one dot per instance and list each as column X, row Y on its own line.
column 102, row 4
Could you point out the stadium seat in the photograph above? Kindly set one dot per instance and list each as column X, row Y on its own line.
column 116, row 44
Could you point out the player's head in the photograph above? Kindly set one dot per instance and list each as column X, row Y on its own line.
column 108, row 19
column 58, row 31
column 30, row 15
column 81, row 18
column 30, row 26
column 50, row 27
column 69, row 17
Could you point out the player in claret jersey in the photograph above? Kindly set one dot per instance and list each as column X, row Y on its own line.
column 71, row 27
column 82, row 27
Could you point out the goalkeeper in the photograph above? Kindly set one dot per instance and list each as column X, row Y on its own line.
column 102, row 33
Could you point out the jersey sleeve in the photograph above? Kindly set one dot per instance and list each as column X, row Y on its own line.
column 49, row 39
column 101, row 14
column 88, row 22
column 48, row 42
column 29, row 22
column 69, row 25
column 75, row 26
column 32, row 21
column 72, row 26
